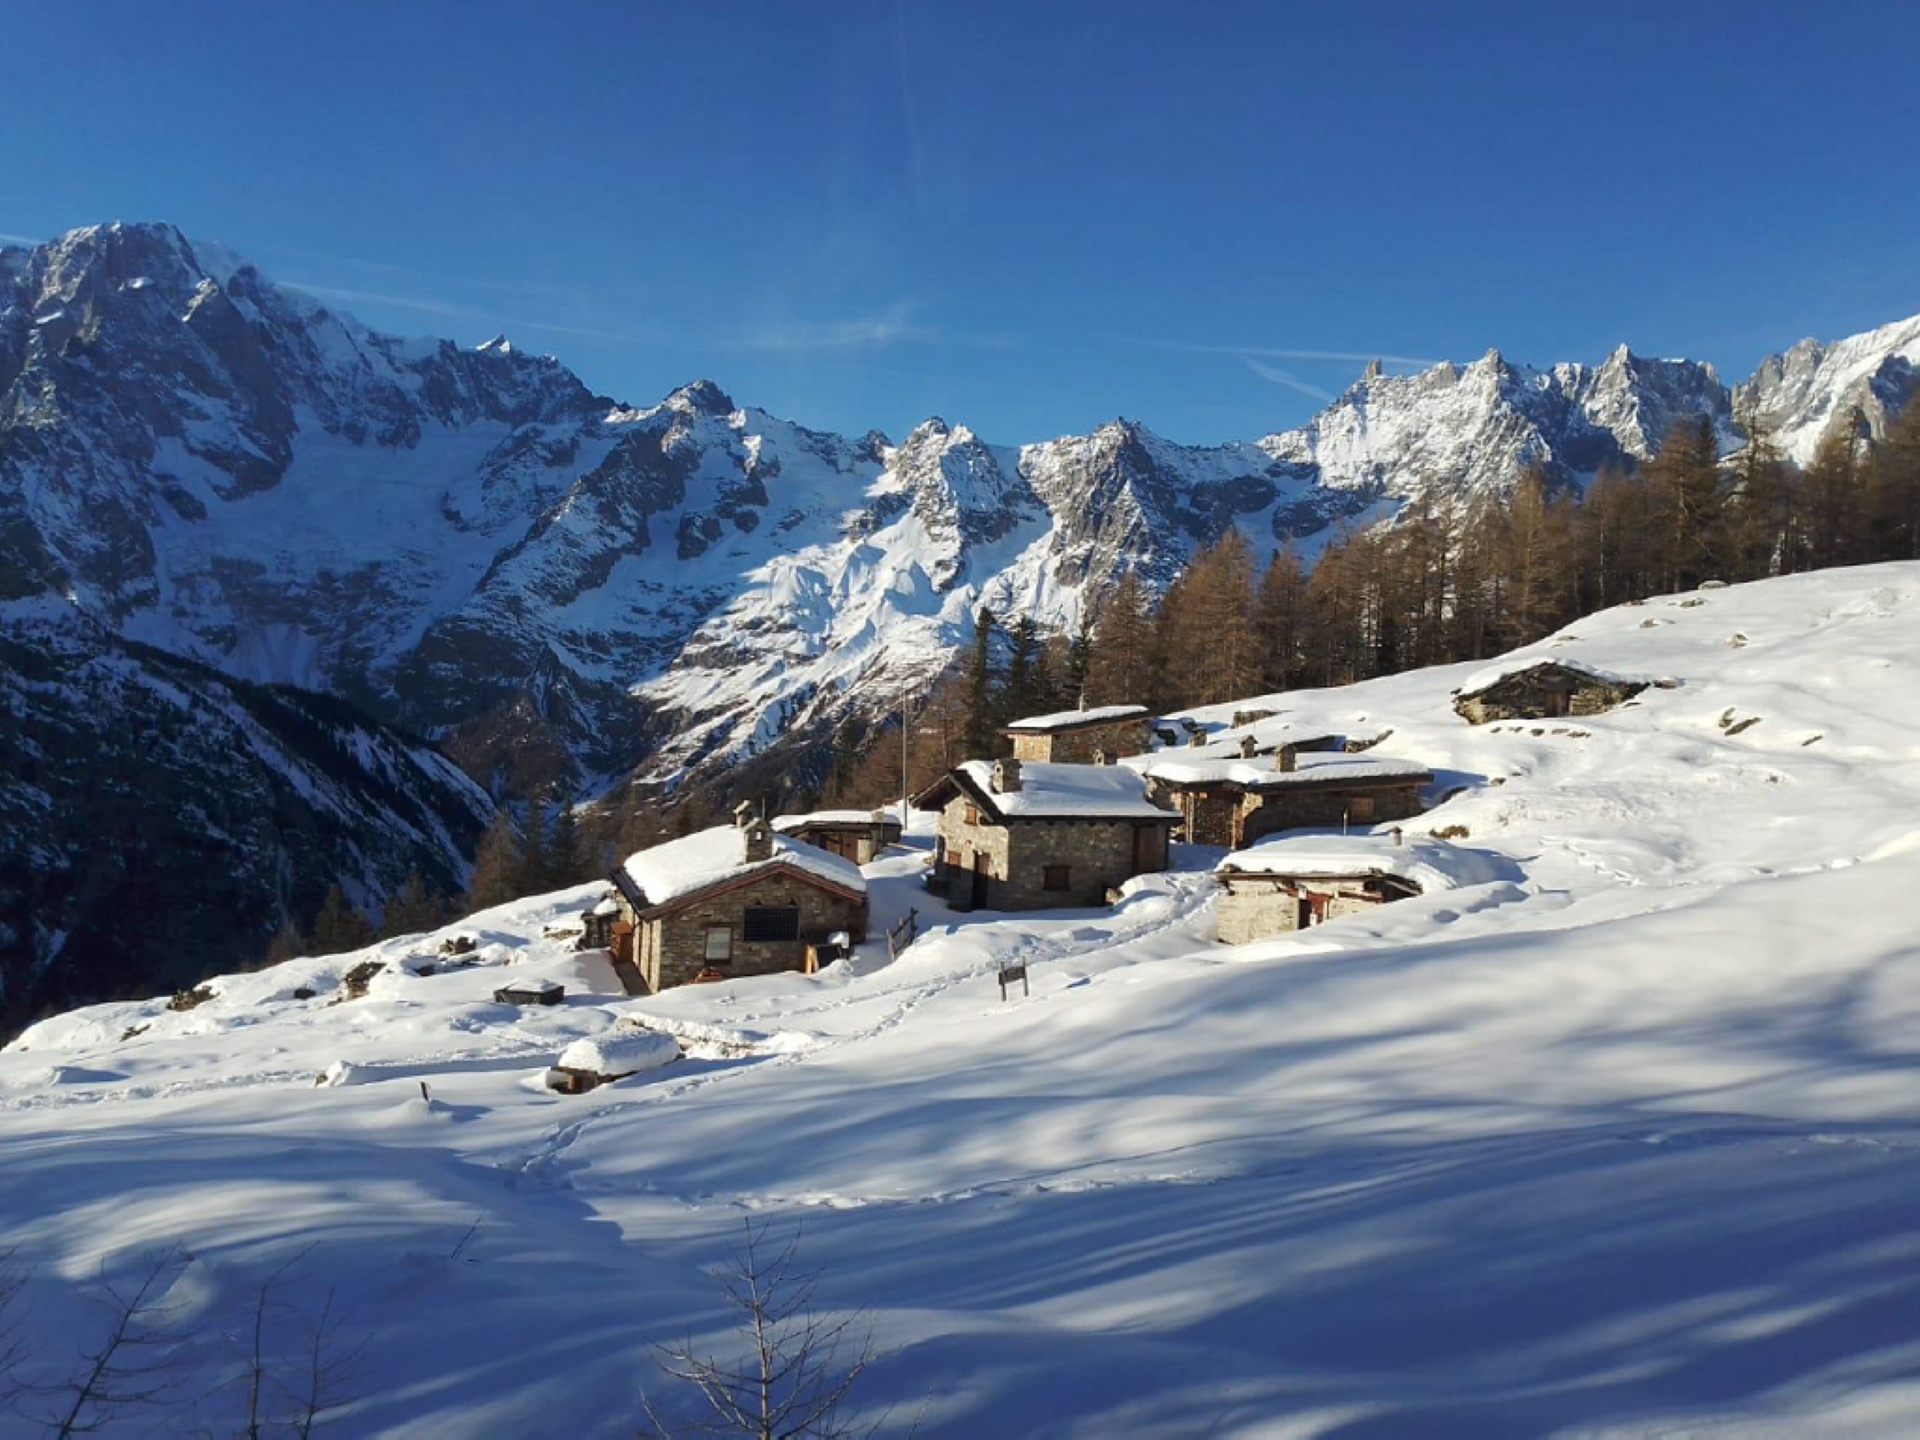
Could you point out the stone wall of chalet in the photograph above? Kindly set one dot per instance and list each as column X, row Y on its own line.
column 1098, row 855
column 1311, row 808
column 673, row 947
column 1257, row 907
column 1077, row 747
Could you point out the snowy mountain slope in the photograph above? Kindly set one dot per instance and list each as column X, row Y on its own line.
column 1621, row 1143
column 472, row 543
column 160, row 819
column 1814, row 388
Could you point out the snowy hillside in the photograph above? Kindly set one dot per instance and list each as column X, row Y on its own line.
column 1619, row 1140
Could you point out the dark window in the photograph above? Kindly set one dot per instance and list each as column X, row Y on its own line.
column 1056, row 877
column 1362, row 807
column 768, row 924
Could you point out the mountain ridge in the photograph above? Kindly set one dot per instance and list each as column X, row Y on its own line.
column 563, row 587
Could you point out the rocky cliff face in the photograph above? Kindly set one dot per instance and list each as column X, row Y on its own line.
column 470, row 543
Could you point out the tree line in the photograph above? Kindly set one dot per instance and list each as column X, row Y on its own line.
column 1443, row 583
column 550, row 849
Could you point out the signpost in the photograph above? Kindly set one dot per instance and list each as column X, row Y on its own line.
column 1011, row 973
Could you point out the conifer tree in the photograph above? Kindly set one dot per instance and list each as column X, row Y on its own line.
column 1077, row 667
column 1120, row 671
column 568, row 859
column 411, row 909
column 339, row 926
column 1024, row 692
column 497, row 866
column 1277, row 617
column 536, row 866
column 1757, row 503
column 1836, row 521
column 287, row 944
column 981, row 739
column 1896, row 488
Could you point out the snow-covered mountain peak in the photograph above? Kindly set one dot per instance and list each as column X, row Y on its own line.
column 703, row 397
column 1806, row 391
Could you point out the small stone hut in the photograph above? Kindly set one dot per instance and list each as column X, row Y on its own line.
column 1079, row 736
column 856, row 835
column 1025, row 835
column 1295, row 881
column 1233, row 802
column 1542, row 690
column 734, row 900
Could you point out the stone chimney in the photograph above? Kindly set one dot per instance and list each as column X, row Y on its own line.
column 1247, row 747
column 1395, row 832
column 1006, row 776
column 1285, row 760
column 1196, row 738
column 756, row 840
column 744, row 812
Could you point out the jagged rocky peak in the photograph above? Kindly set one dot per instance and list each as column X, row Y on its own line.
column 1372, row 372
column 498, row 345
column 704, row 397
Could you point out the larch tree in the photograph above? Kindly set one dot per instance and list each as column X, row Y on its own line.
column 497, row 866
column 1121, row 671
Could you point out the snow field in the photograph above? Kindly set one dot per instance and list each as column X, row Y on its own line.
column 1621, row 1140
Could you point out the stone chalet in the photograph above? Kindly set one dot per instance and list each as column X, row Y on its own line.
column 1234, row 801
column 1024, row 835
column 1079, row 736
column 856, row 835
column 734, row 900
column 1294, row 881
column 1543, row 690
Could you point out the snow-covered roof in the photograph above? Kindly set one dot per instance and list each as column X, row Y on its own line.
column 832, row 817
column 669, row 872
column 1074, row 719
column 1050, row 789
column 1419, row 860
column 626, row 1051
column 1267, row 737
column 1312, row 768
column 1519, row 665
column 534, row 985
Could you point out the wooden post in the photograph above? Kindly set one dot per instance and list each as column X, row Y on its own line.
column 1011, row 973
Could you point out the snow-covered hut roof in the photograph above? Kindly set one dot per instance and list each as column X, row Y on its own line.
column 1420, row 860
column 1506, row 669
column 820, row 818
column 624, row 1051
column 1268, row 736
column 1053, row 790
column 1310, row 769
column 664, row 874
column 1075, row 719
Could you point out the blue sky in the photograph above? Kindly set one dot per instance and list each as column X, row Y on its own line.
column 1026, row 217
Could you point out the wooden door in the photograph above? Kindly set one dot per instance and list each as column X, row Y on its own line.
column 979, row 879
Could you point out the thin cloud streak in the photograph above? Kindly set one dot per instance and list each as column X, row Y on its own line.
column 871, row 332
column 1272, row 352
column 21, row 239
column 399, row 302
column 1287, row 378
column 485, row 319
